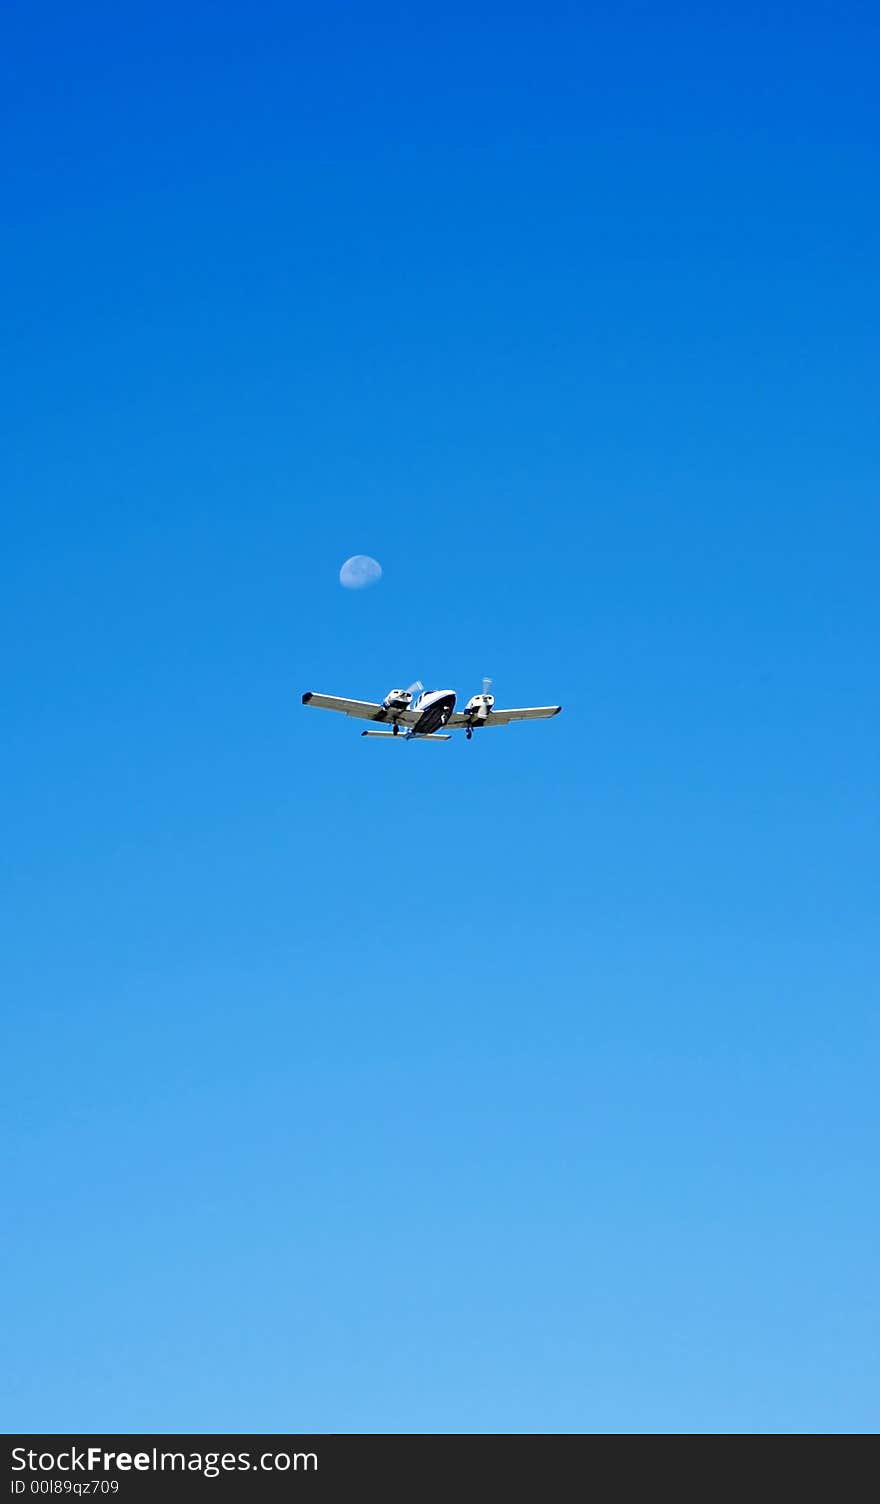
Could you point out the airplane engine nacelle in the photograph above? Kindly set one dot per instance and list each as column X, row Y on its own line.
column 479, row 706
column 397, row 700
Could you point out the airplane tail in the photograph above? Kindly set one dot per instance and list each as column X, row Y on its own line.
column 432, row 736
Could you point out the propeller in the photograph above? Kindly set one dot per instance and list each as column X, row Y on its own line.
column 487, row 684
column 415, row 688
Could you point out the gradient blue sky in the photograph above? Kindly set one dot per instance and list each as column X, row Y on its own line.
column 526, row 1085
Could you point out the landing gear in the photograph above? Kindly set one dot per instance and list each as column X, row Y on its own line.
column 469, row 733
column 395, row 729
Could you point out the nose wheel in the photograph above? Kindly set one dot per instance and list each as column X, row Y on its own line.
column 469, row 733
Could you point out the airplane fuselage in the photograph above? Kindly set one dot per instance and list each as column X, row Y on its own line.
column 433, row 708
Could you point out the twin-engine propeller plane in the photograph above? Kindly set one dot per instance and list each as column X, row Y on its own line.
column 419, row 714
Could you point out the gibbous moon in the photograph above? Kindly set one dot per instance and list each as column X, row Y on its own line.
column 359, row 571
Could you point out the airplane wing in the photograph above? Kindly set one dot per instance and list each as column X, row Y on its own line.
column 458, row 721
column 362, row 710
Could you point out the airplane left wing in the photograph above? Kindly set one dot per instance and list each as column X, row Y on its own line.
column 458, row 720
column 361, row 710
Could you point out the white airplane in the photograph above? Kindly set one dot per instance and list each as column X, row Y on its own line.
column 423, row 717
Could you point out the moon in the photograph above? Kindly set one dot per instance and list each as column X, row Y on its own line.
column 360, row 571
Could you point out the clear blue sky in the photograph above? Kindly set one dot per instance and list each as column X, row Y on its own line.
column 525, row 1085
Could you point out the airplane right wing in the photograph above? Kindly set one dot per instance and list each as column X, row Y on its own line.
column 459, row 721
column 531, row 713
